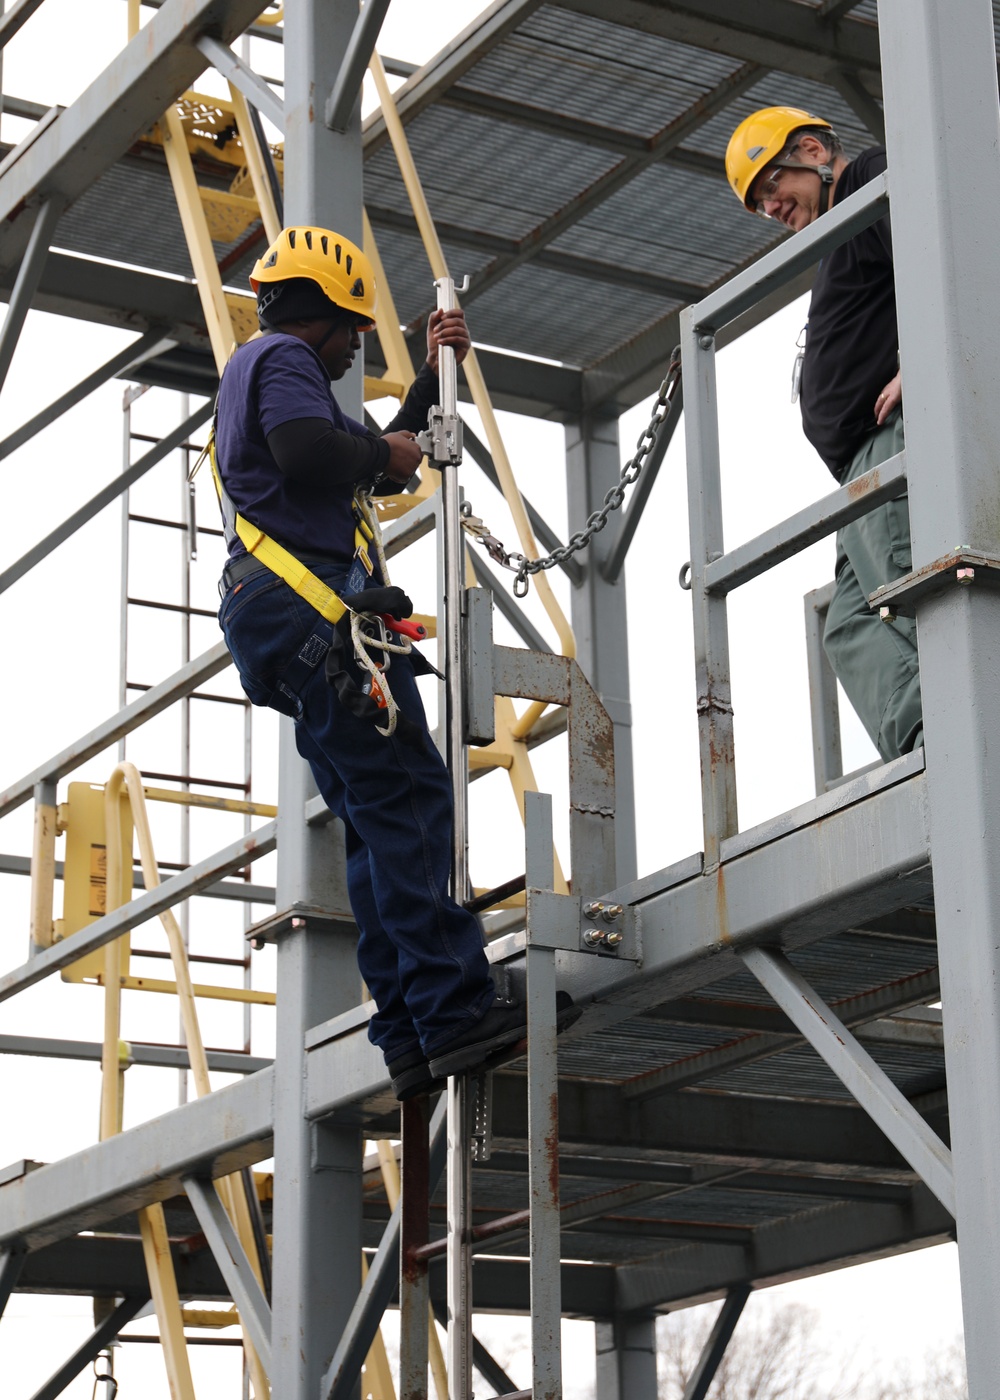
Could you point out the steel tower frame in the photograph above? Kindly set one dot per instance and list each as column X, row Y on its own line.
column 754, row 896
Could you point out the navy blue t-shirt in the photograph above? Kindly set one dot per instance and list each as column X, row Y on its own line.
column 268, row 382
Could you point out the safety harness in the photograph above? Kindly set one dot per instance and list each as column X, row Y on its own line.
column 369, row 631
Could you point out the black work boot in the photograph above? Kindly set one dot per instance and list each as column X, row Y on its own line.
column 504, row 1025
column 411, row 1076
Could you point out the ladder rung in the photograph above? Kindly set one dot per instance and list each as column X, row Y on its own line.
column 192, row 957
column 195, row 782
column 170, row 607
column 200, row 695
column 173, row 524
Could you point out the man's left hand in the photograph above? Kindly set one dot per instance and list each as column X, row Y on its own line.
column 447, row 328
column 890, row 398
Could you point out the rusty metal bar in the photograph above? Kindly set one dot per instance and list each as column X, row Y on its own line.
column 414, row 1291
column 824, row 517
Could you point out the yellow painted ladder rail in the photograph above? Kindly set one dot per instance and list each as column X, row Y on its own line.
column 126, row 780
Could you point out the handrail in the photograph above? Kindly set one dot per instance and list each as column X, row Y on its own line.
column 858, row 211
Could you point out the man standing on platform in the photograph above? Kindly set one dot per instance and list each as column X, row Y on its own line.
column 786, row 164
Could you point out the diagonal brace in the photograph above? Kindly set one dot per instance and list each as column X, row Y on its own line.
column 242, row 76
column 347, row 84
column 870, row 1085
column 29, row 274
column 383, row 1275
column 11, row 1263
column 715, row 1347
column 234, row 1265
column 100, row 1338
column 148, row 345
column 106, row 495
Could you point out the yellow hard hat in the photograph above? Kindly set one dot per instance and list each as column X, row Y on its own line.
column 337, row 266
column 758, row 141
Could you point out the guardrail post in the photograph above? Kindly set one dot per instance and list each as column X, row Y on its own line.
column 943, row 140
column 711, row 628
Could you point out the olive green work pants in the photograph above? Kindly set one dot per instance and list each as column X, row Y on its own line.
column 876, row 661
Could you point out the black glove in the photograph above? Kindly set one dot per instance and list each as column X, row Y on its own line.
column 342, row 672
column 391, row 600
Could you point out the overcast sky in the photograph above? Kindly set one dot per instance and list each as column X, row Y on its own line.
column 61, row 626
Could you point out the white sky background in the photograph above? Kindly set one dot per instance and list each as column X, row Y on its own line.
column 62, row 642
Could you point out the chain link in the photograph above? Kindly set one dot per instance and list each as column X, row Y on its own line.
column 613, row 500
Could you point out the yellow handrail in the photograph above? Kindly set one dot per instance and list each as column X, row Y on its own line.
column 231, row 1189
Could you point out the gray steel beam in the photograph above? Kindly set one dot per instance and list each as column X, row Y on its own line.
column 377, row 1291
column 152, row 343
column 29, row 274
column 555, row 260
column 240, row 890
column 429, row 83
column 11, row 1264
column 346, row 89
column 153, row 702
column 870, row 1085
column 749, row 1049
column 815, row 522
column 115, row 110
column 599, row 611
column 862, row 104
column 631, row 517
column 831, row 1140
column 852, row 855
column 219, row 1134
column 99, row 1339
column 12, row 21
column 135, row 300
column 824, row 701
column 234, row 1265
column 831, row 865
column 164, row 1056
column 242, row 76
column 940, row 83
column 782, row 1250
column 93, row 936
column 715, row 1344
column 702, row 110
column 317, row 1166
column 626, row 1358
column 779, row 34
column 104, row 497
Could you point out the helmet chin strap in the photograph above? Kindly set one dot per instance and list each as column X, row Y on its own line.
column 825, row 173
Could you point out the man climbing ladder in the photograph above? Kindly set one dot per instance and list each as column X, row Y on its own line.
column 295, row 476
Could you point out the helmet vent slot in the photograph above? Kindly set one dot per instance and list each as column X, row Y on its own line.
column 348, row 264
column 324, row 243
column 336, row 251
column 291, row 238
column 309, row 239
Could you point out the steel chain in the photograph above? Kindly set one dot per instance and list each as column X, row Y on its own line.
column 613, row 500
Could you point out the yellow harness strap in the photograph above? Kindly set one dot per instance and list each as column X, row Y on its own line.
column 275, row 557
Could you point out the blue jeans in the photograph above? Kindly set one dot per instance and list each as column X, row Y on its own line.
column 420, row 954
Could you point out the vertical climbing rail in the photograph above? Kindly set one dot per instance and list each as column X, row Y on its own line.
column 446, row 454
